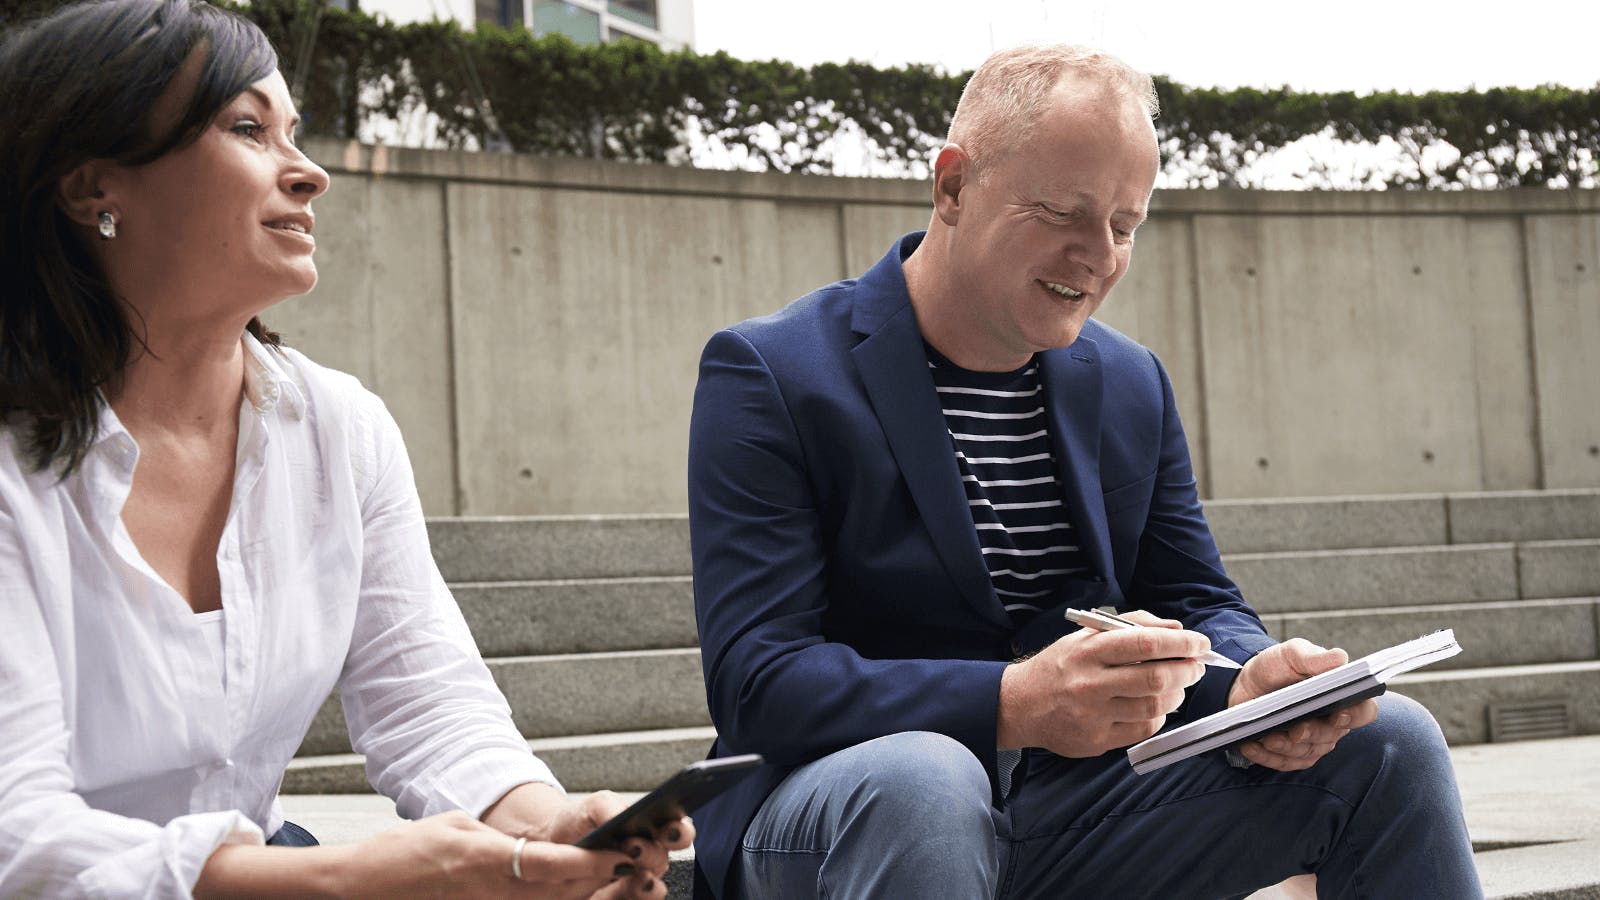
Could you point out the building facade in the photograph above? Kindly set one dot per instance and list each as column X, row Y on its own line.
column 667, row 23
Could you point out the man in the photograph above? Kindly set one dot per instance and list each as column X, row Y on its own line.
column 897, row 483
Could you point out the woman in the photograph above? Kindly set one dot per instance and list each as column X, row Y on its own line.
column 202, row 533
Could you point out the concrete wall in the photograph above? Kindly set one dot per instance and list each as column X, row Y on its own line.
column 535, row 324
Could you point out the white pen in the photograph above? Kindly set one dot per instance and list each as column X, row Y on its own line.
column 1099, row 621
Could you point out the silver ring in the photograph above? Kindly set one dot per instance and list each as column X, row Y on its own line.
column 516, row 858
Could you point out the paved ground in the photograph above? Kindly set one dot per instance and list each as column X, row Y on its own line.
column 1531, row 791
column 1533, row 809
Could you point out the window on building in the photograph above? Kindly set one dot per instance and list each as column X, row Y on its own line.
column 615, row 35
column 499, row 12
column 641, row 11
column 557, row 17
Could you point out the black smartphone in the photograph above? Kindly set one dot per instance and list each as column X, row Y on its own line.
column 677, row 796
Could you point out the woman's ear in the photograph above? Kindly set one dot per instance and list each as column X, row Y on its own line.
column 83, row 195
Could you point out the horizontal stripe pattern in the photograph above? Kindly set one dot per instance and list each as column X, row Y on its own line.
column 999, row 431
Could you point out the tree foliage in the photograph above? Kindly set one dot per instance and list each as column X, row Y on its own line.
column 629, row 100
column 1502, row 137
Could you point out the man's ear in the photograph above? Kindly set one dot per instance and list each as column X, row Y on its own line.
column 952, row 171
column 84, row 193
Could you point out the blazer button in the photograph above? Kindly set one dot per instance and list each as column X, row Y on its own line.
column 1099, row 579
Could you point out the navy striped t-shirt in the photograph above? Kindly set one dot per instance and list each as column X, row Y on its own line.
column 998, row 427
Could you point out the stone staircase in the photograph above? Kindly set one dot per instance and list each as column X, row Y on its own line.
column 1516, row 574
column 588, row 624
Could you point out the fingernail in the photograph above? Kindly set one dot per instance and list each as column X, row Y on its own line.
column 623, row 870
column 675, row 834
column 636, row 851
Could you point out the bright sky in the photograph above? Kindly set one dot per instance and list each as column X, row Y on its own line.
column 1360, row 45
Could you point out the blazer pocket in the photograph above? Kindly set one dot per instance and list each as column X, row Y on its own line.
column 1118, row 499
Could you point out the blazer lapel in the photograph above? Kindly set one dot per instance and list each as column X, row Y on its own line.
column 894, row 368
column 1072, row 378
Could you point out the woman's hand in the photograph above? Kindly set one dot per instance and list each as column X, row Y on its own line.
column 454, row 854
column 448, row 855
column 541, row 813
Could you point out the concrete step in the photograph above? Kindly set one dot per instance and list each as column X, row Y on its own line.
column 1522, row 793
column 1328, row 523
column 651, row 612
column 560, row 617
column 567, row 694
column 522, row 548
column 1465, row 700
column 1568, row 568
column 1462, row 701
column 619, row 761
column 525, row 618
column 1309, row 581
column 566, row 547
column 1524, row 515
column 1491, row 633
column 614, row 614
column 1346, row 523
column 1569, row 870
column 623, row 761
column 587, row 693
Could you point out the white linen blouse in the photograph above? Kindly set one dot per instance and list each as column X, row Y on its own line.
column 127, row 754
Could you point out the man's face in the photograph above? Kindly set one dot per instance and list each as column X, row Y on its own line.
column 1048, row 232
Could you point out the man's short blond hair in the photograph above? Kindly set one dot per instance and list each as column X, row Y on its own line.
column 1004, row 99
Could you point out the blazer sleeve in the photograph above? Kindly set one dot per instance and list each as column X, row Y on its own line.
column 774, row 683
column 1178, row 572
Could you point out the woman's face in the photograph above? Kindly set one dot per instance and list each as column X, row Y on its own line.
column 227, row 217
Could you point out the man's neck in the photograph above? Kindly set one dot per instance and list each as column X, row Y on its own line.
column 946, row 321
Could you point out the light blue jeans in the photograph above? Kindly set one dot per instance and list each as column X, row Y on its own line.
column 291, row 835
column 910, row 816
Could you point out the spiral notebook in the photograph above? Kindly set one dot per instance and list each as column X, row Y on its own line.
column 1316, row 696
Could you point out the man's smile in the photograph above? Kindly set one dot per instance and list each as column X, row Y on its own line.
column 1063, row 290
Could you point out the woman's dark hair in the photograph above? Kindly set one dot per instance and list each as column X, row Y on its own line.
column 75, row 86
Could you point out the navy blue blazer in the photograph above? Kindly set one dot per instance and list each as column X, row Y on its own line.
column 840, row 591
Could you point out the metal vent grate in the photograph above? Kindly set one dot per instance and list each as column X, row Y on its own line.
column 1531, row 719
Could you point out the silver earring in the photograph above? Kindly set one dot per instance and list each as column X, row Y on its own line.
column 108, row 226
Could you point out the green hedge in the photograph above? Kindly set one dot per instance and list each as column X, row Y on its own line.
column 629, row 100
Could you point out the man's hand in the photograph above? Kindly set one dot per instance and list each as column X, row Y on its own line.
column 1302, row 744
column 1095, row 691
